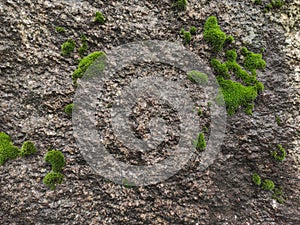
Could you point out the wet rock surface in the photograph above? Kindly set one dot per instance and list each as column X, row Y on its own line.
column 36, row 84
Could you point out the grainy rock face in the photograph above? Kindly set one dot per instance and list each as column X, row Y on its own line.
column 36, row 84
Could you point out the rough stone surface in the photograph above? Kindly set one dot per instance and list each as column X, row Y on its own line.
column 36, row 84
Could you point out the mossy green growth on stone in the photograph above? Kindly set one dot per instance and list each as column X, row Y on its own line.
column 256, row 179
column 68, row 47
column 197, row 77
column 28, row 148
column 235, row 95
column 85, row 63
column 60, row 29
column 7, row 149
column 180, row 5
column 193, row 30
column 69, row 109
column 253, row 61
column 214, row 36
column 99, row 18
column 52, row 179
column 268, row 185
column 200, row 143
column 56, row 159
column 281, row 156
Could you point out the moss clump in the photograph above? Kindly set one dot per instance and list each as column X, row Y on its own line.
column 256, row 179
column 253, row 61
column 197, row 77
column 278, row 120
column 214, row 36
column 60, row 29
column 180, row 5
column 68, row 47
column 268, row 185
column 99, row 18
column 28, row 148
column 257, row 2
column 193, row 30
column 69, row 109
column 200, row 143
column 277, row 3
column 56, row 159
column 52, row 179
column 84, row 65
column 84, row 46
column 281, row 156
column 7, row 149
column 235, row 95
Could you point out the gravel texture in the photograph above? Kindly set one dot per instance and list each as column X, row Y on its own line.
column 36, row 85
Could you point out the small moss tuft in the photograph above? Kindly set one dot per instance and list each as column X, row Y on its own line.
column 213, row 34
column 193, row 30
column 56, row 159
column 69, row 109
column 180, row 5
column 28, row 148
column 68, row 47
column 256, row 179
column 52, row 179
column 7, row 149
column 60, row 29
column 197, row 77
column 282, row 155
column 99, row 18
column 268, row 185
column 84, row 65
column 200, row 142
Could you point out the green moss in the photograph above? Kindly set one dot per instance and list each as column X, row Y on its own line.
column 278, row 120
column 197, row 77
column 68, row 47
column 213, row 34
column 277, row 4
column 200, row 143
column 7, row 149
column 268, row 185
column 235, row 95
column 84, row 65
column 253, row 61
column 60, row 29
column 28, row 148
column 69, row 109
column 193, row 30
column 249, row 109
column 278, row 195
column 84, row 46
column 180, row 5
column 56, row 159
column 187, row 37
column 128, row 184
column 220, row 68
column 52, row 179
column 99, row 18
column 256, row 179
column 257, row 2
column 281, row 156
column 200, row 112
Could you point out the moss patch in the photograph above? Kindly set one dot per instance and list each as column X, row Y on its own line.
column 197, row 77
column 7, row 149
column 52, row 179
column 256, row 179
column 214, row 36
column 69, row 109
column 28, row 148
column 56, row 159
column 99, row 18
column 268, row 185
column 281, row 156
column 180, row 5
column 84, row 65
column 200, row 143
column 68, row 47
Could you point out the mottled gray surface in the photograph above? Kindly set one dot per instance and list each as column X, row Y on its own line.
column 35, row 85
